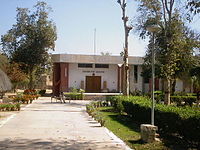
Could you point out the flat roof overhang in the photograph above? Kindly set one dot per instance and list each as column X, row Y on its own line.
column 75, row 58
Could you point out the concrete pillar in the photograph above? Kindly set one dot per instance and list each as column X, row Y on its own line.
column 148, row 132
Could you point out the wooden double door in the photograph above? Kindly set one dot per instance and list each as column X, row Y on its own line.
column 93, row 84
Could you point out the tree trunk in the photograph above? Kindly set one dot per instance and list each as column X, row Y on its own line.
column 167, row 92
column 30, row 85
column 198, row 98
column 173, row 86
column 126, row 80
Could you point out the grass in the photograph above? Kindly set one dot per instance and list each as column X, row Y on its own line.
column 129, row 131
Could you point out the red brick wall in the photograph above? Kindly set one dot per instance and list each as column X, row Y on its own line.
column 60, row 77
column 56, row 79
column 64, row 76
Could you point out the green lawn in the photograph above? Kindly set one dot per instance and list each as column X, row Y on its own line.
column 129, row 131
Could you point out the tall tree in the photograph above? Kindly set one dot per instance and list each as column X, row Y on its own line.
column 16, row 75
column 127, row 29
column 194, row 6
column 4, row 62
column 195, row 74
column 30, row 39
column 171, row 40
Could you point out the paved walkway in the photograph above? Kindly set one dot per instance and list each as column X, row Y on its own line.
column 45, row 125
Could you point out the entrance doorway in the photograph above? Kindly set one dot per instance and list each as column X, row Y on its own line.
column 93, row 84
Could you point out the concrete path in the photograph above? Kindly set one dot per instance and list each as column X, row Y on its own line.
column 45, row 125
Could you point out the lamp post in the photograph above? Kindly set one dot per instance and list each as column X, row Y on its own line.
column 120, row 76
column 153, row 29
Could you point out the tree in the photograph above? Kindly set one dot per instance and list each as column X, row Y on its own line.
column 127, row 29
column 194, row 6
column 4, row 62
column 195, row 74
column 30, row 39
column 15, row 74
column 172, row 50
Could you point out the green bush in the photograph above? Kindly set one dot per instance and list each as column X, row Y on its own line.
column 92, row 111
column 116, row 102
column 184, row 94
column 42, row 92
column 9, row 107
column 188, row 100
column 74, row 96
column 184, row 121
column 159, row 96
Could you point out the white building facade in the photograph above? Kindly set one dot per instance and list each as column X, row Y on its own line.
column 95, row 73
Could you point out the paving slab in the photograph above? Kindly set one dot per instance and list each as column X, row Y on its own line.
column 46, row 125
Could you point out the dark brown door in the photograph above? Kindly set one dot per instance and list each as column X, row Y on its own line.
column 93, row 84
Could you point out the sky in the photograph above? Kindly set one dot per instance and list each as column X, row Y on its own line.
column 76, row 21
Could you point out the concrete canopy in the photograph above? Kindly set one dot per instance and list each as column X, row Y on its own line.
column 75, row 58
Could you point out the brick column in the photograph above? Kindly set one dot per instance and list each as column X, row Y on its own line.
column 64, row 76
column 56, row 79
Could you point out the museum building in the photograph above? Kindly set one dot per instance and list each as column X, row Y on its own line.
column 94, row 73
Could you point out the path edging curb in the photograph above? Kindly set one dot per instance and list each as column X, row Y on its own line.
column 116, row 138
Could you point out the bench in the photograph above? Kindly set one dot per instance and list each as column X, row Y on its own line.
column 57, row 98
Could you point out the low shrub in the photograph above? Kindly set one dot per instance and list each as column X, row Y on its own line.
column 159, row 96
column 74, row 96
column 30, row 92
column 9, row 107
column 42, row 92
column 25, row 98
column 92, row 111
column 184, row 121
column 184, row 94
column 188, row 100
column 136, row 93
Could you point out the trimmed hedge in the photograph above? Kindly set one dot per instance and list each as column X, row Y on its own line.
column 189, row 100
column 184, row 121
column 74, row 96
column 91, row 109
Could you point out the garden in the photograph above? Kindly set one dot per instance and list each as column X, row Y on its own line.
column 178, row 126
column 13, row 102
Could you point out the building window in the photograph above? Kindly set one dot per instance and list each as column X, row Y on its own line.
column 101, row 66
column 80, row 65
column 135, row 73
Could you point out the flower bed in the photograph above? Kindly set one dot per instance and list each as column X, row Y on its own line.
column 27, row 97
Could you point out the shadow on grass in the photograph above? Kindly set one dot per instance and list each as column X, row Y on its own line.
column 177, row 143
column 136, row 141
